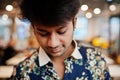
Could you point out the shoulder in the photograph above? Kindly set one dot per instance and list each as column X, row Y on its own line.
column 93, row 55
column 91, row 52
column 30, row 58
column 96, row 63
column 27, row 66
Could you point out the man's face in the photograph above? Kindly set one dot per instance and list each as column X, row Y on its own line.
column 55, row 40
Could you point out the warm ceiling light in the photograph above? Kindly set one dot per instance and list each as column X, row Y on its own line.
column 112, row 7
column 9, row 7
column 97, row 11
column 84, row 7
column 4, row 17
column 88, row 15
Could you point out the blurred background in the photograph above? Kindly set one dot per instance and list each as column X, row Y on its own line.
column 98, row 25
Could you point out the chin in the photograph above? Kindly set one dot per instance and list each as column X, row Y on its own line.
column 57, row 55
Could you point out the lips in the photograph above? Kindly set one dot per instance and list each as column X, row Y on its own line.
column 55, row 50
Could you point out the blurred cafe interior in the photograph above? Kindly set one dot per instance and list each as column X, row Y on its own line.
column 98, row 25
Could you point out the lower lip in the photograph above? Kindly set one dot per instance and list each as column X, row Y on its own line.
column 55, row 51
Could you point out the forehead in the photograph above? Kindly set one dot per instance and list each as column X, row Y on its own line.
column 40, row 26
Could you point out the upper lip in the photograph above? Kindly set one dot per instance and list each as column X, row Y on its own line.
column 54, row 50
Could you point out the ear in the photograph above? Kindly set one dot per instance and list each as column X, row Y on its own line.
column 74, row 23
column 32, row 28
column 32, row 25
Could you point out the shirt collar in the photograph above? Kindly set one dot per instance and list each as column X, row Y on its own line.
column 44, row 58
column 76, row 53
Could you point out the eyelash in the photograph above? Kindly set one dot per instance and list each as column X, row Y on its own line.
column 43, row 35
column 62, row 32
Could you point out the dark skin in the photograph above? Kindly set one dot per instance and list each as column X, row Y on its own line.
column 57, row 43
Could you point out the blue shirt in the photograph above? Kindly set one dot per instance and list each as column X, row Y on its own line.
column 89, row 65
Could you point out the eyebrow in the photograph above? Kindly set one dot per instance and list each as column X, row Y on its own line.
column 41, row 30
column 59, row 27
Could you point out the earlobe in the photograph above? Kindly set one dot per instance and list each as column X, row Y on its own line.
column 32, row 28
column 74, row 23
column 32, row 25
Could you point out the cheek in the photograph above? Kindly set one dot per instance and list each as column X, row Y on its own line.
column 69, row 35
column 67, row 38
column 41, row 40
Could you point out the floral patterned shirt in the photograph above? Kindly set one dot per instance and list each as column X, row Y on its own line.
column 92, row 66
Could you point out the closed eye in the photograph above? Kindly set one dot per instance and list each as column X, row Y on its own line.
column 43, row 34
column 61, row 32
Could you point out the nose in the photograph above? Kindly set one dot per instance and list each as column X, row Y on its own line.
column 53, row 40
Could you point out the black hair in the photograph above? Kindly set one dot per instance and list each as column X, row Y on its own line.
column 49, row 12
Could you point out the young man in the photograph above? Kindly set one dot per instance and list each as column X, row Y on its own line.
column 58, row 57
